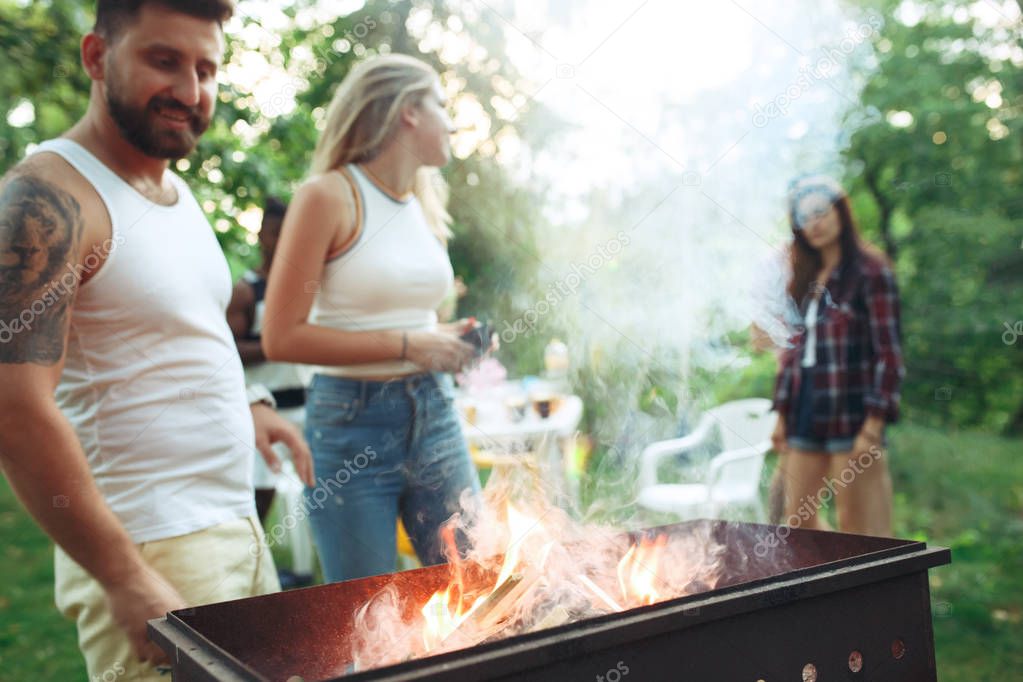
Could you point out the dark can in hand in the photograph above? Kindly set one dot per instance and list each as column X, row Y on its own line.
column 479, row 337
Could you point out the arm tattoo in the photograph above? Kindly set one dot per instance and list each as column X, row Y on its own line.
column 40, row 230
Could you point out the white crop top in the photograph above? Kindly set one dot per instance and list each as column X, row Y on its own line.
column 394, row 276
column 810, row 348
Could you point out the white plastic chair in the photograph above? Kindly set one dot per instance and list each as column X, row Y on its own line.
column 730, row 481
column 295, row 531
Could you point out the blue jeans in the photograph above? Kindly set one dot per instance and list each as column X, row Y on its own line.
column 381, row 449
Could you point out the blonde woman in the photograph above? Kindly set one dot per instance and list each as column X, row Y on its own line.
column 361, row 268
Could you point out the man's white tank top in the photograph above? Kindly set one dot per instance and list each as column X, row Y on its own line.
column 394, row 276
column 152, row 381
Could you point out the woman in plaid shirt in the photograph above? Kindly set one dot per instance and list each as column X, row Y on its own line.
column 838, row 382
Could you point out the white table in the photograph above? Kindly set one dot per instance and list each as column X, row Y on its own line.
column 499, row 441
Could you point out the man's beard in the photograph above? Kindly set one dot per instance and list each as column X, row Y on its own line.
column 139, row 125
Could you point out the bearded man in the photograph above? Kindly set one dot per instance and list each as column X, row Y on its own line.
column 125, row 427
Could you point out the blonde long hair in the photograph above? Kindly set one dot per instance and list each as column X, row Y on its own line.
column 363, row 116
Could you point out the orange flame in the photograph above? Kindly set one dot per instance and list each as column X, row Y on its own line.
column 637, row 571
column 443, row 613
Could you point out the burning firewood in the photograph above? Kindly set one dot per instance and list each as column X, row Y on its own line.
column 497, row 603
column 605, row 599
column 499, row 606
column 531, row 570
column 559, row 615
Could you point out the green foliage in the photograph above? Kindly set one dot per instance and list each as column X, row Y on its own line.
column 261, row 146
column 956, row 312
column 494, row 253
column 754, row 379
column 40, row 48
column 942, row 195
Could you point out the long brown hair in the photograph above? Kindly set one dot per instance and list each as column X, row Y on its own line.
column 806, row 261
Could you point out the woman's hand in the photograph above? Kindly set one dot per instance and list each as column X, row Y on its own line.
column 458, row 327
column 464, row 326
column 871, row 436
column 778, row 435
column 439, row 351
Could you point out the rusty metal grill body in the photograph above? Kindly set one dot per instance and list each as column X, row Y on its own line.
column 816, row 599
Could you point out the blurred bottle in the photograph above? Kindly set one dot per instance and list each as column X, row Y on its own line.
column 555, row 362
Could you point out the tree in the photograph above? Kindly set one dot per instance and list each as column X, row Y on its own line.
column 261, row 139
column 936, row 164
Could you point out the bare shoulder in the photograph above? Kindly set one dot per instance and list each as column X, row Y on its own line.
column 41, row 229
column 242, row 294
column 40, row 171
column 50, row 166
column 325, row 203
column 329, row 190
column 62, row 175
column 39, row 211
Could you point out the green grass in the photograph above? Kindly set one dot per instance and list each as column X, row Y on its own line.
column 959, row 490
column 36, row 642
column 965, row 491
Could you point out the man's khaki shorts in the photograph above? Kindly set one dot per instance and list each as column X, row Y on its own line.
column 228, row 561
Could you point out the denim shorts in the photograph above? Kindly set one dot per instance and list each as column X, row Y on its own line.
column 802, row 436
column 384, row 450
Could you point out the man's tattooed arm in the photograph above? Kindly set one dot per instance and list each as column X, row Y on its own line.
column 40, row 232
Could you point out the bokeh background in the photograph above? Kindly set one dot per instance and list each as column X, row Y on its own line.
column 618, row 182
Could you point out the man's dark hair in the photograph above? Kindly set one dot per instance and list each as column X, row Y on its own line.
column 274, row 208
column 113, row 15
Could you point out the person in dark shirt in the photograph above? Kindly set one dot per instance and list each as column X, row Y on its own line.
column 838, row 382
column 245, row 317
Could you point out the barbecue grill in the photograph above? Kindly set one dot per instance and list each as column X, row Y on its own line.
column 814, row 606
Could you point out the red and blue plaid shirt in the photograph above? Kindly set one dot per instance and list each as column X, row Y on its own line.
column 859, row 355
